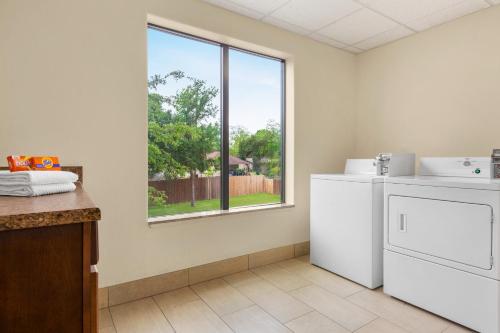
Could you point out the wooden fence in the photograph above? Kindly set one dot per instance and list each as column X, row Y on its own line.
column 179, row 190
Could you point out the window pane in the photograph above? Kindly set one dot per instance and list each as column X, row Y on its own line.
column 255, row 129
column 183, row 124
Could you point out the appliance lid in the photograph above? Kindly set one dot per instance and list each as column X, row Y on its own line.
column 350, row 178
column 455, row 182
column 360, row 167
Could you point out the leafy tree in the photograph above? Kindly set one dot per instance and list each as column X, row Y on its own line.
column 238, row 135
column 181, row 135
column 264, row 147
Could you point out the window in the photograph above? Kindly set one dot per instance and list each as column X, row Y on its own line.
column 215, row 126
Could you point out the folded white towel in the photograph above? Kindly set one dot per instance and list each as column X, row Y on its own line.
column 35, row 190
column 37, row 177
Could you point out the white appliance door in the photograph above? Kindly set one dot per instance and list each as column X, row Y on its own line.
column 455, row 231
column 341, row 230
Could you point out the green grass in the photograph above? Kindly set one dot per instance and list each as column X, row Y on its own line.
column 214, row 204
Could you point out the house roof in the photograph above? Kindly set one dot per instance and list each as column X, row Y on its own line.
column 232, row 159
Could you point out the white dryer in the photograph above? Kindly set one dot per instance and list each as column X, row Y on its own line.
column 347, row 218
column 441, row 241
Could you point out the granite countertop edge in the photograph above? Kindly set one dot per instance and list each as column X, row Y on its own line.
column 45, row 211
column 47, row 219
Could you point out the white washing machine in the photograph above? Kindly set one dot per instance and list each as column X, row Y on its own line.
column 347, row 218
column 441, row 241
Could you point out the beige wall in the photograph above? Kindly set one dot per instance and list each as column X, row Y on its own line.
column 436, row 93
column 73, row 83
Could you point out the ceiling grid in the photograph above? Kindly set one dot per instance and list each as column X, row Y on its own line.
column 355, row 25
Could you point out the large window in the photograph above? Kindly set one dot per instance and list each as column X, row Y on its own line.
column 215, row 126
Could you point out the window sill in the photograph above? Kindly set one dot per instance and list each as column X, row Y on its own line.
column 191, row 216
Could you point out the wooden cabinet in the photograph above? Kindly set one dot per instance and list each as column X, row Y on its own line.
column 48, row 253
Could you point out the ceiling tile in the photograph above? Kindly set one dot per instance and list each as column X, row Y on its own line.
column 327, row 40
column 286, row 25
column 263, row 6
column 445, row 15
column 236, row 8
column 353, row 49
column 357, row 27
column 347, row 24
column 405, row 11
column 384, row 38
column 314, row 14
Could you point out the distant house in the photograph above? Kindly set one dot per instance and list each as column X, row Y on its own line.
column 235, row 163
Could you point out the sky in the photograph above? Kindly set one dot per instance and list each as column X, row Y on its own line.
column 254, row 82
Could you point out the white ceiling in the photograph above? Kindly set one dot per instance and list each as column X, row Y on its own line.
column 355, row 25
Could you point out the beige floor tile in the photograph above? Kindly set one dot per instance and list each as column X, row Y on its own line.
column 381, row 325
column 327, row 280
column 254, row 320
column 408, row 317
column 341, row 311
column 105, row 321
column 280, row 277
column 315, row 322
column 107, row 330
column 270, row 256
column 195, row 317
column 272, row 299
column 217, row 269
column 301, row 249
column 221, row 297
column 172, row 299
column 147, row 287
column 140, row 316
column 239, row 279
column 457, row 329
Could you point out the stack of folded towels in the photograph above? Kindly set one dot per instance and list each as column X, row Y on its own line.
column 35, row 183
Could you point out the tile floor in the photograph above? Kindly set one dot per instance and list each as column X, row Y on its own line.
column 289, row 296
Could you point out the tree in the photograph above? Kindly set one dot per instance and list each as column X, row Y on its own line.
column 237, row 136
column 264, row 147
column 181, row 136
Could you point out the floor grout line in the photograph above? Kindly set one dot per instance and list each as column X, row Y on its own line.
column 112, row 320
column 231, row 312
column 211, row 309
column 163, row 313
column 368, row 323
column 260, row 307
column 324, row 314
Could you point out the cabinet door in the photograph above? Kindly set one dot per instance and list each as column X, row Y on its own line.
column 456, row 231
column 41, row 280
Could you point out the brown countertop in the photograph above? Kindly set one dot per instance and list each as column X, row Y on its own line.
column 47, row 210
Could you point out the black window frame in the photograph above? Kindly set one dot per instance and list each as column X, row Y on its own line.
column 224, row 110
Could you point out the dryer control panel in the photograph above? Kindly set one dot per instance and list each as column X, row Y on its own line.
column 469, row 167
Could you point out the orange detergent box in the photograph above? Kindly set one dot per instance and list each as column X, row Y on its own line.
column 33, row 163
column 19, row 163
column 45, row 163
